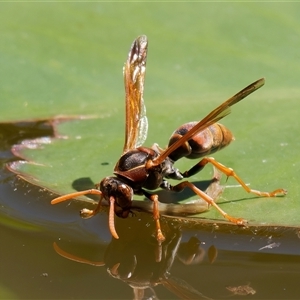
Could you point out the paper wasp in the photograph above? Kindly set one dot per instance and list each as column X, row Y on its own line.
column 142, row 169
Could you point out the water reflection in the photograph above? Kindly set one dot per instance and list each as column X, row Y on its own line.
column 142, row 263
column 246, row 261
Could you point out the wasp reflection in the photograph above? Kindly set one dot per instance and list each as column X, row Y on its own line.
column 142, row 263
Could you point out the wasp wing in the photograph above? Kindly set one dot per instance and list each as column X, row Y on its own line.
column 217, row 114
column 136, row 127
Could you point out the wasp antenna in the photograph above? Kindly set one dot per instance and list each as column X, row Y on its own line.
column 111, row 218
column 74, row 195
column 70, row 256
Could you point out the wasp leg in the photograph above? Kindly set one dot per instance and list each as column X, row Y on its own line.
column 153, row 197
column 230, row 173
column 88, row 213
column 179, row 187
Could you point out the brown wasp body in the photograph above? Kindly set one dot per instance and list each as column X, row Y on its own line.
column 141, row 169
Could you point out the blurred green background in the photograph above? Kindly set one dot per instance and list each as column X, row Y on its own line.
column 67, row 59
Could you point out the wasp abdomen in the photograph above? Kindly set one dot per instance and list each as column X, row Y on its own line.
column 207, row 141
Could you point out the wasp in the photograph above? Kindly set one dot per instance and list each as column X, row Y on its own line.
column 141, row 170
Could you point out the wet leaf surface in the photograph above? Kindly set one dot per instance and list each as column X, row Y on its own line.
column 79, row 160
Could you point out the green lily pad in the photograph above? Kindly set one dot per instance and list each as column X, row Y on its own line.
column 190, row 70
column 58, row 164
